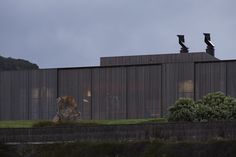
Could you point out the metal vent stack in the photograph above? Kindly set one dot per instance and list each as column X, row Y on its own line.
column 184, row 49
column 210, row 46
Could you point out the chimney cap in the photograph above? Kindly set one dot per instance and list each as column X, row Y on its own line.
column 184, row 48
column 208, row 39
column 210, row 46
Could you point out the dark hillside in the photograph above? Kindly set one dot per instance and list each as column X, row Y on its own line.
column 15, row 64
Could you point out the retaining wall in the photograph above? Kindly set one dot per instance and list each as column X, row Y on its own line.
column 148, row 131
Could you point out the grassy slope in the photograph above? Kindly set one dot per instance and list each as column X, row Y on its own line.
column 17, row 124
column 31, row 123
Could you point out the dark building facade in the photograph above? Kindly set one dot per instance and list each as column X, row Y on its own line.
column 121, row 88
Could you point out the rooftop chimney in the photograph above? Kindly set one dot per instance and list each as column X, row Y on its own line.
column 210, row 46
column 184, row 49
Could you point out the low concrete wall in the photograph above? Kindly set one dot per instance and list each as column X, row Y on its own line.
column 150, row 131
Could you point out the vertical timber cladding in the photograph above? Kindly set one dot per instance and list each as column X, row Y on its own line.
column 177, row 82
column 109, row 93
column 210, row 77
column 77, row 83
column 231, row 77
column 5, row 95
column 14, row 95
column 19, row 95
column 27, row 94
column 42, row 94
column 144, row 91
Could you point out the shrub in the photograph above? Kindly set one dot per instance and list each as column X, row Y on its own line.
column 213, row 106
column 203, row 112
column 216, row 106
column 183, row 110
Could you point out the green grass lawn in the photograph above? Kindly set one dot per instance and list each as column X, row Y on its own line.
column 18, row 123
column 38, row 123
column 123, row 121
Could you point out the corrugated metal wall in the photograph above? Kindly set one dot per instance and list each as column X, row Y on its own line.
column 210, row 77
column 28, row 94
column 109, row 93
column 112, row 92
column 5, row 95
column 144, row 91
column 215, row 76
column 77, row 83
column 231, row 78
column 42, row 93
column 177, row 81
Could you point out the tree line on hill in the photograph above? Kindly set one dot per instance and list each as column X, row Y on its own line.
column 15, row 64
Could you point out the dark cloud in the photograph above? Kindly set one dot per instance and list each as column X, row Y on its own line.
column 61, row 33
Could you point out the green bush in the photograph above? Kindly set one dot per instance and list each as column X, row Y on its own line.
column 232, row 112
column 213, row 106
column 183, row 110
column 216, row 106
column 203, row 112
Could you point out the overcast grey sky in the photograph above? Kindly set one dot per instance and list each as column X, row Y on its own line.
column 69, row 33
